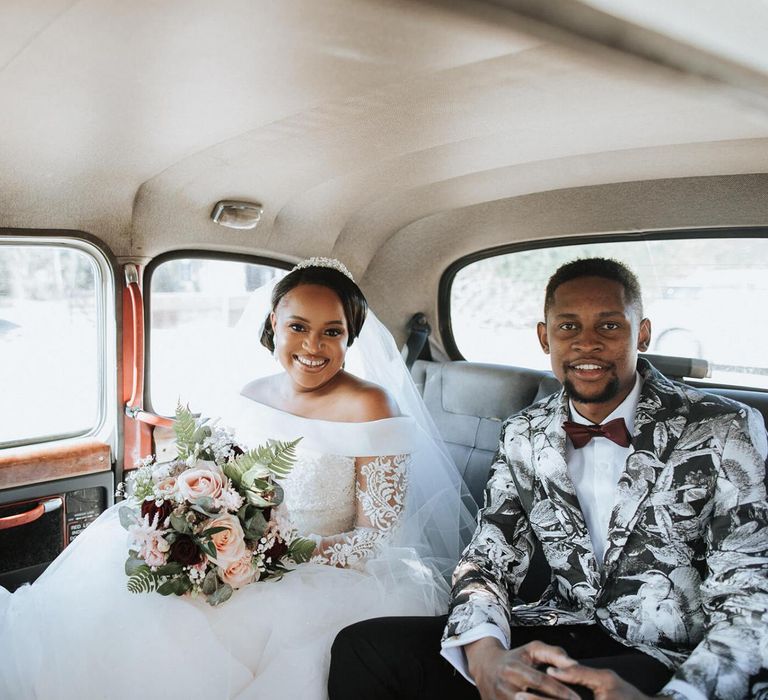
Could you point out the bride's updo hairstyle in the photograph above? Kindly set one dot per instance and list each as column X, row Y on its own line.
column 352, row 299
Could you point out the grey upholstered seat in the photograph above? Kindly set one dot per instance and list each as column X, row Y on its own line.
column 469, row 401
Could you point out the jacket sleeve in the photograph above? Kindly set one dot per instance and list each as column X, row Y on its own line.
column 496, row 560
column 733, row 650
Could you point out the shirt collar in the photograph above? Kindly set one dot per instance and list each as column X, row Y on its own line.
column 626, row 409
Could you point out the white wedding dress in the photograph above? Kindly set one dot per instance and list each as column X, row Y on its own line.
column 78, row 633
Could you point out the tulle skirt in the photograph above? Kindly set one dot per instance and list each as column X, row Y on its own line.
column 78, row 633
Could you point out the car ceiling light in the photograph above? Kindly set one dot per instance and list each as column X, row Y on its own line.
column 236, row 214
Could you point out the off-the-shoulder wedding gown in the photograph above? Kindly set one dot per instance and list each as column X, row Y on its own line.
column 78, row 633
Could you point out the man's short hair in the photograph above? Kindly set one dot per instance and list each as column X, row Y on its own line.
column 596, row 267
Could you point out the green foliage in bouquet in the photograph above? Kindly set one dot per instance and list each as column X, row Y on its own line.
column 203, row 523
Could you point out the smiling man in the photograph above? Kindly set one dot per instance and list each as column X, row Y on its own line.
column 647, row 499
column 593, row 328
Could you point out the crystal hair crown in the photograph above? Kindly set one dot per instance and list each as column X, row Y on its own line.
column 325, row 262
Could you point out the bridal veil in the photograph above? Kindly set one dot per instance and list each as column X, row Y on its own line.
column 438, row 517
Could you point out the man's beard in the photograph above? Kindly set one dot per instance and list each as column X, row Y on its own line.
column 610, row 392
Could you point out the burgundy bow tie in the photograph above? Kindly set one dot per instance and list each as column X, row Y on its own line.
column 615, row 430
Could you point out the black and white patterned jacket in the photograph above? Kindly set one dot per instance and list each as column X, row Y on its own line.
column 685, row 574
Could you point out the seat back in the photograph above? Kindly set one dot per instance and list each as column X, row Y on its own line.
column 469, row 401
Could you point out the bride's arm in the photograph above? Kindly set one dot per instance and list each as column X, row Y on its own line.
column 380, row 484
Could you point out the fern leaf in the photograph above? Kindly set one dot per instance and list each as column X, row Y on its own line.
column 280, row 457
column 184, row 428
column 144, row 580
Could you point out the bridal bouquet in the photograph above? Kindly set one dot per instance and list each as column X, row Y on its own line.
column 204, row 523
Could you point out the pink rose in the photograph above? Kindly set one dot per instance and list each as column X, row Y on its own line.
column 230, row 542
column 239, row 573
column 166, row 487
column 194, row 484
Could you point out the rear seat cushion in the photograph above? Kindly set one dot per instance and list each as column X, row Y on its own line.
column 469, row 401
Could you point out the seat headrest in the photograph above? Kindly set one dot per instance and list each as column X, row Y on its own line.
column 491, row 391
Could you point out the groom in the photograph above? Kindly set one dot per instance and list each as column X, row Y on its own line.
column 648, row 501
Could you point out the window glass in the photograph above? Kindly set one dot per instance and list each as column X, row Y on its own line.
column 706, row 298
column 51, row 342
column 195, row 304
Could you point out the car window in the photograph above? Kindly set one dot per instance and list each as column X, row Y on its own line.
column 54, row 334
column 194, row 306
column 706, row 298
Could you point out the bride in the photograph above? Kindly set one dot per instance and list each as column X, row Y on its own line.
column 372, row 486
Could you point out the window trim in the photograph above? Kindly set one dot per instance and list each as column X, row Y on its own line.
column 196, row 254
column 448, row 276
column 106, row 427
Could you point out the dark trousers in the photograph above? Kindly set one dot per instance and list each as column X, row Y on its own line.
column 399, row 657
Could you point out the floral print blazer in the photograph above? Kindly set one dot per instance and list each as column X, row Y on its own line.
column 685, row 573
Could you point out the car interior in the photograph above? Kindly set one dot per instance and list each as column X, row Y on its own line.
column 160, row 160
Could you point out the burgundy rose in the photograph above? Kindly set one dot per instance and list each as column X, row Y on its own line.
column 185, row 551
column 277, row 550
column 150, row 508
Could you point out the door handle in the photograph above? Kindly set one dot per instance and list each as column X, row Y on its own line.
column 31, row 515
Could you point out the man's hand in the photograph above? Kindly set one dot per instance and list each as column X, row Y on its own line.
column 604, row 684
column 501, row 674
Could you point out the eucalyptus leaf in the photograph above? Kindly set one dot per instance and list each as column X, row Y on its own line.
column 255, row 526
column 133, row 564
column 184, row 585
column 180, row 524
column 206, row 503
column 210, row 582
column 127, row 516
column 207, row 513
column 220, row 595
column 278, row 494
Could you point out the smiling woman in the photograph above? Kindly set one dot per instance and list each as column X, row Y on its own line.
column 311, row 347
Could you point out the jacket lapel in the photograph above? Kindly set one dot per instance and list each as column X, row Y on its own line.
column 568, row 540
column 660, row 419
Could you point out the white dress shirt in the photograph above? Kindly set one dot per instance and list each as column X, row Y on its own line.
column 594, row 470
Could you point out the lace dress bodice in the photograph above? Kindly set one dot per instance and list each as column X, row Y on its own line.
column 320, row 493
column 349, row 504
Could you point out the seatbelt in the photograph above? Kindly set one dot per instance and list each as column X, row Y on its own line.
column 416, row 345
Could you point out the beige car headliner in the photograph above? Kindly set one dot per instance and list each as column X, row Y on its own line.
column 397, row 135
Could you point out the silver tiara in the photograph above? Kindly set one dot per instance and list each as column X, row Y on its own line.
column 325, row 262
